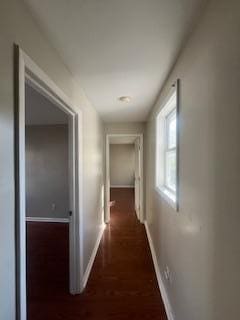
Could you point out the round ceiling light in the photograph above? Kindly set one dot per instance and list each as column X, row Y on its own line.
column 125, row 99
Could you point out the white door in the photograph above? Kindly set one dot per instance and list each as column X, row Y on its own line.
column 137, row 177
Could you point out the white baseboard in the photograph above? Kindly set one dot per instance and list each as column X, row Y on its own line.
column 159, row 277
column 121, row 186
column 92, row 258
column 42, row 219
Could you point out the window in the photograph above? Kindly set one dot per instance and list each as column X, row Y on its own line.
column 166, row 150
column 170, row 152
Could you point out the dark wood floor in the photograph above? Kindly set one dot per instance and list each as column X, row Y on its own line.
column 122, row 284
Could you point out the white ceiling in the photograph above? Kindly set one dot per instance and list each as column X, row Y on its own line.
column 117, row 47
column 40, row 110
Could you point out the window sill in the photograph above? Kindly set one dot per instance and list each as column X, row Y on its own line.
column 168, row 197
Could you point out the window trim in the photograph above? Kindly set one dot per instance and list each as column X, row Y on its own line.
column 168, row 149
column 172, row 198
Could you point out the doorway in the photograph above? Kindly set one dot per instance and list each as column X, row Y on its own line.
column 133, row 168
column 27, row 73
column 47, row 200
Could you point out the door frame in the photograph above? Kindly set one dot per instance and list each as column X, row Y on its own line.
column 136, row 184
column 107, row 175
column 26, row 70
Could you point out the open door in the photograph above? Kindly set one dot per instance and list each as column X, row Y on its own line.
column 137, row 184
column 26, row 71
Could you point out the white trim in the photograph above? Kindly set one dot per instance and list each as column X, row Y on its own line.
column 29, row 72
column 158, row 275
column 45, row 219
column 93, row 255
column 107, row 177
column 167, row 196
column 107, row 183
column 170, row 103
column 122, row 186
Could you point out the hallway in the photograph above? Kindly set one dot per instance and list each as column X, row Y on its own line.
column 122, row 284
column 147, row 96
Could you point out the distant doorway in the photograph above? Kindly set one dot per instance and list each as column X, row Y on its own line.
column 124, row 169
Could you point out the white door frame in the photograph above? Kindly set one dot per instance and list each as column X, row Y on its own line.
column 137, row 174
column 27, row 71
column 107, row 181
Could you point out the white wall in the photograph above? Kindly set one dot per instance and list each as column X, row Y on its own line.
column 47, row 178
column 124, row 128
column 122, row 164
column 16, row 25
column 200, row 244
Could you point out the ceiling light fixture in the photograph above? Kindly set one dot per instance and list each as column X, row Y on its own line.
column 125, row 99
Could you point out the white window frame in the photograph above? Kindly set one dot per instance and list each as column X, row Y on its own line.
column 169, row 107
column 168, row 149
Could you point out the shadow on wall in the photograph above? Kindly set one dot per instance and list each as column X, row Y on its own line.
column 47, row 190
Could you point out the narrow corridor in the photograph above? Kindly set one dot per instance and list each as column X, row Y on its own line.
column 122, row 284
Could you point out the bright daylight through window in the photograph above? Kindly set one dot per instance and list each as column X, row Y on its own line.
column 166, row 150
column 170, row 153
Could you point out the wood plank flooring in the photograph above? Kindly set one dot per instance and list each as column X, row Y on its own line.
column 122, row 284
